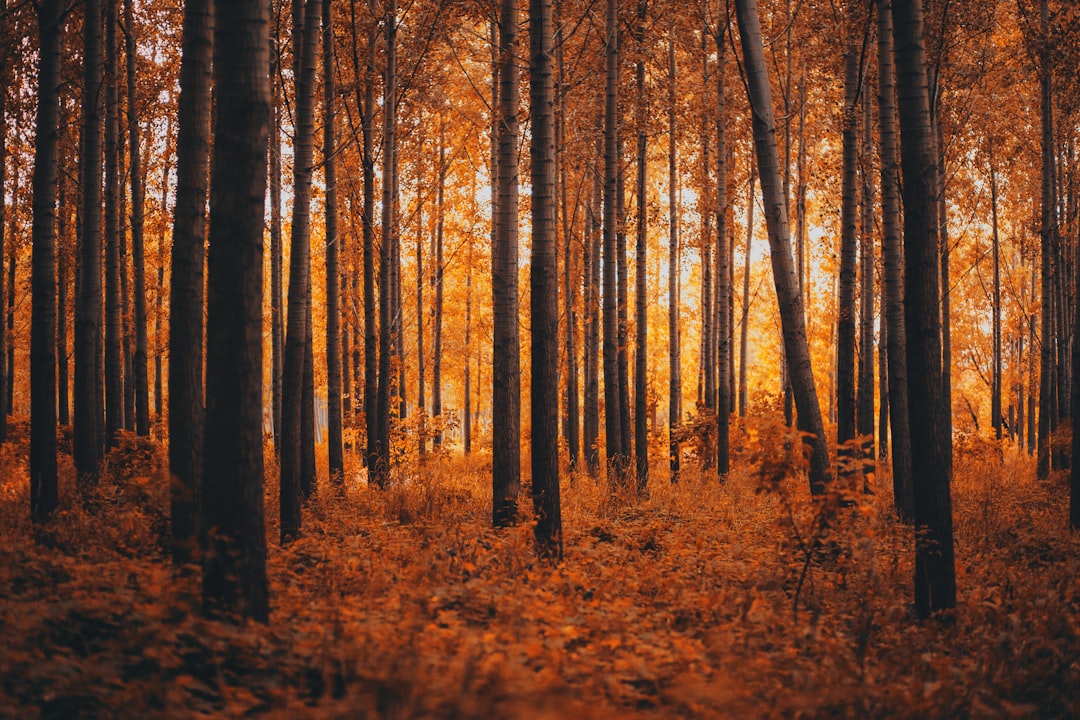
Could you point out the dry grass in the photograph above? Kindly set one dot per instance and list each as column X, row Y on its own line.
column 699, row 599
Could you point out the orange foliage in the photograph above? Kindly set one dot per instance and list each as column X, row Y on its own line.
column 404, row 603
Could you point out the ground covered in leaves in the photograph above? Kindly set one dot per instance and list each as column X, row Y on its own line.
column 700, row 599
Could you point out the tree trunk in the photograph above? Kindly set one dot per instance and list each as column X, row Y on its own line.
column 43, row 480
column 305, row 39
column 437, row 283
column 63, row 262
column 114, row 377
column 421, row 396
column 744, row 394
column 591, row 351
column 864, row 401
column 333, row 249
column 138, row 252
column 506, row 370
column 572, row 421
column 544, row 273
column 186, row 292
column 641, row 301
column 792, row 318
column 277, row 327
column 935, row 580
column 892, row 252
column 467, row 424
column 995, row 385
column 4, row 364
column 723, row 268
column 234, row 568
column 674, row 351
column 1046, row 236
column 849, row 215
column 613, row 426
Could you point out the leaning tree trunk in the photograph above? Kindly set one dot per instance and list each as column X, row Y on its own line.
column 186, row 291
column 293, row 396
column 506, row 369
column 935, row 579
column 544, row 273
column 892, row 252
column 234, row 566
column 333, row 249
column 43, row 481
column 792, row 319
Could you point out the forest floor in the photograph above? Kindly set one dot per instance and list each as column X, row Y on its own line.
column 699, row 600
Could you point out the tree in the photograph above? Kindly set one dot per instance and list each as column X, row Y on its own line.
column 613, row 424
column 864, row 399
column 234, row 566
column 437, row 283
column 641, row 301
column 792, row 320
column 506, row 370
column 43, row 481
column 88, row 400
column 744, row 324
column 138, row 252
column 892, row 252
column 674, row 350
column 1048, row 223
column 4, row 69
column 114, row 375
column 935, row 579
column 723, row 293
column 545, row 289
column 293, row 395
column 333, row 240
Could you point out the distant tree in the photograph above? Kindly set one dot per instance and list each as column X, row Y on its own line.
column 792, row 320
column 437, row 285
column 43, row 481
column 935, row 578
column 234, row 566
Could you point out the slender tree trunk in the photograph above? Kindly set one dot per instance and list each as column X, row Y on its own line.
column 744, row 394
column 864, row 401
column 159, row 299
column 305, row 39
column 138, row 252
column 544, row 273
column 63, row 261
column 723, row 268
column 995, row 385
column 792, row 319
column 4, row 364
column 186, row 292
column 234, row 568
column 591, row 352
column 613, row 427
column 333, row 248
column 277, row 327
column 674, row 351
column 308, row 471
column 893, row 254
column 946, row 292
column 707, row 358
column 506, row 371
column 114, row 378
column 467, row 424
column 935, row 580
column 641, row 301
column 572, row 419
column 849, row 216
column 11, row 274
column 421, row 396
column 437, row 283
column 1046, row 234
column 43, row 480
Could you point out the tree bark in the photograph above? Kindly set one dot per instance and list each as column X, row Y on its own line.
column 864, row 400
column 674, row 350
column 744, row 325
column 186, row 292
column 43, row 478
column 613, row 426
column 277, row 326
column 849, row 214
column 641, row 301
column 723, row 268
column 591, row 352
column 506, row 369
column 437, row 283
column 792, row 319
column 544, row 273
column 114, row 378
column 995, row 385
column 1046, row 237
column 935, row 579
column 234, row 568
column 333, row 249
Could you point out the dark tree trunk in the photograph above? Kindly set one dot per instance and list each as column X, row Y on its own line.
column 421, row 394
column 43, row 480
column 641, row 301
column 892, row 252
column 88, row 400
column 792, row 319
column 849, row 217
column 467, row 424
column 590, row 427
column 723, row 268
column 935, row 579
column 674, row 350
column 4, row 364
column 63, row 262
column 1046, row 235
column 571, row 421
column 333, row 248
column 995, row 385
column 186, row 293
column 613, row 426
column 506, row 370
column 114, row 377
column 138, row 252
column 294, row 397
column 437, row 283
column 277, row 326
column 234, row 567
column 544, row 273
column 864, row 400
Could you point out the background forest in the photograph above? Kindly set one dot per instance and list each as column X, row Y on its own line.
column 768, row 308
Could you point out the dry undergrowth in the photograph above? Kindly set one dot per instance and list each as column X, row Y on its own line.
column 698, row 600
